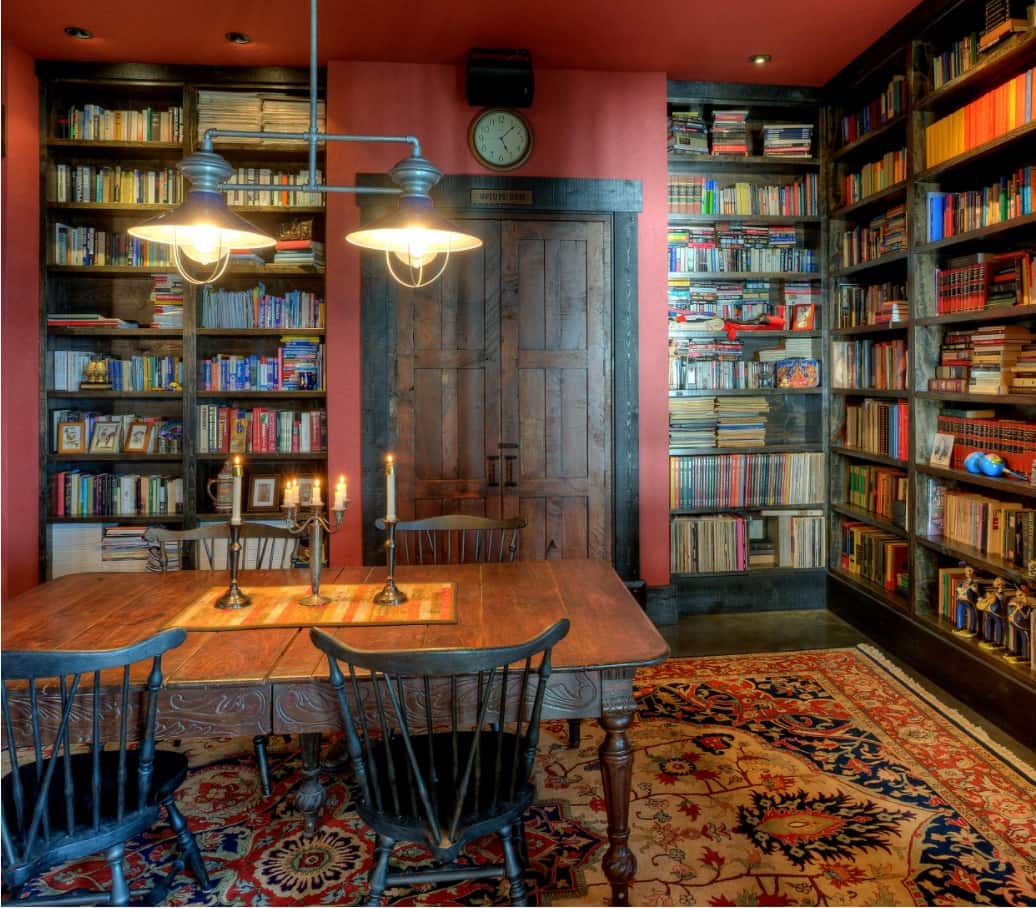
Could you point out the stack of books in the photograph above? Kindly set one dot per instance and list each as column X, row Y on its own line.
column 954, row 363
column 741, row 422
column 729, row 132
column 692, row 422
column 299, row 252
column 995, row 349
column 688, row 133
column 229, row 110
column 877, row 304
column 1023, row 372
column 788, row 140
column 86, row 320
column 284, row 113
column 167, row 301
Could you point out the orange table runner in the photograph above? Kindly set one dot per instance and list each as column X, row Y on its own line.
column 351, row 604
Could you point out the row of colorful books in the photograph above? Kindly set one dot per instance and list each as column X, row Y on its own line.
column 724, row 542
column 986, row 281
column 883, row 491
column 866, row 363
column 957, row 59
column 94, row 123
column 889, row 104
column 701, row 195
column 234, row 430
column 141, row 372
column 874, row 304
column 746, row 480
column 281, row 192
column 875, row 555
column 298, row 365
column 721, row 298
column 999, row 529
column 730, row 133
column 884, row 235
column 878, row 427
column 993, row 359
column 258, row 308
column 953, row 213
column 75, row 493
column 92, row 246
column 116, row 185
column 978, row 429
column 875, row 176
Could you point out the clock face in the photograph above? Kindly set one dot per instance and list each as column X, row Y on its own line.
column 500, row 139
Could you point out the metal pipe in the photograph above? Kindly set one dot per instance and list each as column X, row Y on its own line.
column 312, row 91
column 313, row 187
column 211, row 134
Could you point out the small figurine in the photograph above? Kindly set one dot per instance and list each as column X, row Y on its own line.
column 95, row 374
column 1019, row 627
column 993, row 609
column 965, row 620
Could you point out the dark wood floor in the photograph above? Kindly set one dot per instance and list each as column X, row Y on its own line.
column 774, row 632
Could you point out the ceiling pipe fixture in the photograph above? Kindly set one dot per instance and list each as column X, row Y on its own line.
column 238, row 38
column 416, row 241
column 760, row 59
column 74, row 31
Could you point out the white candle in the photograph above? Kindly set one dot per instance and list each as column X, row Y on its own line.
column 235, row 501
column 390, row 488
column 287, row 495
column 317, row 500
column 340, row 495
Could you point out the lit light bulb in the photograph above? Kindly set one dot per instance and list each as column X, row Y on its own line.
column 201, row 244
column 413, row 248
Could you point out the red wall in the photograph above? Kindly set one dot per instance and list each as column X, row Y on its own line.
column 19, row 318
column 605, row 125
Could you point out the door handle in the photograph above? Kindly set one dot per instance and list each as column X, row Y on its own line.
column 509, row 464
column 491, row 460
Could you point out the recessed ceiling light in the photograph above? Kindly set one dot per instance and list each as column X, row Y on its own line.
column 74, row 31
column 238, row 38
column 760, row 59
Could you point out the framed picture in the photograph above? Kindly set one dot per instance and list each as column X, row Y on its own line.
column 105, row 439
column 942, row 448
column 802, row 316
column 306, row 490
column 72, row 437
column 138, row 438
column 262, row 493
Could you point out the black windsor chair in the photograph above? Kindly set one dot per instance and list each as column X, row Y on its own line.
column 272, row 547
column 60, row 805
column 443, row 745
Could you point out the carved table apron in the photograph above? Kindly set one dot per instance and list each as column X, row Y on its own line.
column 272, row 680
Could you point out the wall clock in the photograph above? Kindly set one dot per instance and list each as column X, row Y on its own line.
column 500, row 139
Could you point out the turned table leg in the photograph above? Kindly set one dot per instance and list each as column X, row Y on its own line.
column 310, row 797
column 620, row 864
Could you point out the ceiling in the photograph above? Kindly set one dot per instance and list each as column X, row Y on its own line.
column 810, row 40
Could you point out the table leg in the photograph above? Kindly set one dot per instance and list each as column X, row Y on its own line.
column 620, row 864
column 311, row 794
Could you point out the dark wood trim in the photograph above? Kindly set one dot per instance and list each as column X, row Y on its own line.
column 619, row 199
column 140, row 74
column 726, row 93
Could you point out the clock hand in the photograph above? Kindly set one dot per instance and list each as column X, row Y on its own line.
column 507, row 133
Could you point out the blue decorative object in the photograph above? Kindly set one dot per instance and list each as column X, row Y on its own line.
column 992, row 464
column 972, row 463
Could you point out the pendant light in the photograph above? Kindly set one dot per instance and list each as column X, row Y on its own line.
column 203, row 231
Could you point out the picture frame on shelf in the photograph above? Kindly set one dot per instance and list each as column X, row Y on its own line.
column 306, row 484
column 262, row 492
column 72, row 437
column 105, row 438
column 138, row 437
column 803, row 317
column 942, row 448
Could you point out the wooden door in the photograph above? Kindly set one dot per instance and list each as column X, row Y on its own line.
column 503, row 378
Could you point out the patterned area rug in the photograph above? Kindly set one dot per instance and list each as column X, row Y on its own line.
column 812, row 778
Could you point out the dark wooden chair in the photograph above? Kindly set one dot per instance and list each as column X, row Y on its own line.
column 455, row 539
column 443, row 744
column 272, row 547
column 75, row 786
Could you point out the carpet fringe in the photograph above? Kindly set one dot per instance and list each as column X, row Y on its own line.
column 965, row 724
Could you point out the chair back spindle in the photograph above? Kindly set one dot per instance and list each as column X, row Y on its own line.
column 456, row 539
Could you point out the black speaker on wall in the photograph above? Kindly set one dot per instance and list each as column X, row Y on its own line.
column 499, row 78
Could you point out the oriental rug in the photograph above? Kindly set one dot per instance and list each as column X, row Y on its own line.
column 809, row 778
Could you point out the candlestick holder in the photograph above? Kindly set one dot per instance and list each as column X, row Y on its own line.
column 317, row 524
column 390, row 594
column 234, row 597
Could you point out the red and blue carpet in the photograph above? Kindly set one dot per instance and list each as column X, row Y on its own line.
column 810, row 778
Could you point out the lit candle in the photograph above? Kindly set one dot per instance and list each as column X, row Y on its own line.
column 340, row 494
column 235, row 501
column 317, row 502
column 390, row 488
column 287, row 495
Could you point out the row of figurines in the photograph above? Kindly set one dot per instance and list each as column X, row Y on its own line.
column 1001, row 618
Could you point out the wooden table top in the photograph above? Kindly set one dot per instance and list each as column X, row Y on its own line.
column 497, row 604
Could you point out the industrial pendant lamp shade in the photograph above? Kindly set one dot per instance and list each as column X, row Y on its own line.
column 203, row 229
column 414, row 235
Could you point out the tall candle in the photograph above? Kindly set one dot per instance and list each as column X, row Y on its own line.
column 340, row 494
column 287, row 495
column 317, row 500
column 390, row 488
column 235, row 500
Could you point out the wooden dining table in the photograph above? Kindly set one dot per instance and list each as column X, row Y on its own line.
column 271, row 680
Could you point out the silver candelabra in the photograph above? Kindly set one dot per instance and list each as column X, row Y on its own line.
column 317, row 524
column 390, row 594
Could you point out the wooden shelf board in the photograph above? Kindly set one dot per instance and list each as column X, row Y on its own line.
column 974, row 557
column 743, row 392
column 733, row 162
column 1019, row 400
column 867, row 455
column 1009, row 313
column 1000, row 64
column 277, row 209
column 140, row 147
column 1000, row 143
column 983, row 233
column 883, row 261
column 750, row 509
column 232, row 270
column 864, row 141
column 118, row 395
column 871, row 392
column 115, row 458
column 1015, row 487
column 119, row 518
column 867, row 517
column 677, row 218
column 263, row 455
column 83, row 331
column 870, row 329
column 748, row 275
column 756, row 571
column 874, row 200
column 114, row 207
column 868, row 586
column 277, row 514
column 290, row 395
column 261, row 332
column 992, row 658
column 300, row 149
column 783, row 332
column 762, row 449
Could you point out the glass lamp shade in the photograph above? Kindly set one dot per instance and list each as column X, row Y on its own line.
column 203, row 229
column 414, row 233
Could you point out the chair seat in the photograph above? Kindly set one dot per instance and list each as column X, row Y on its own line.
column 406, row 819
column 168, row 773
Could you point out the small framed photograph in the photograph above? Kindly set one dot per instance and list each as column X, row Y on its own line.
column 306, row 490
column 105, row 439
column 942, row 448
column 262, row 493
column 802, row 317
column 138, row 438
column 72, row 437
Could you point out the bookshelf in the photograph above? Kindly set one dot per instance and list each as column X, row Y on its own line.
column 745, row 242
column 111, row 138
column 963, row 356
